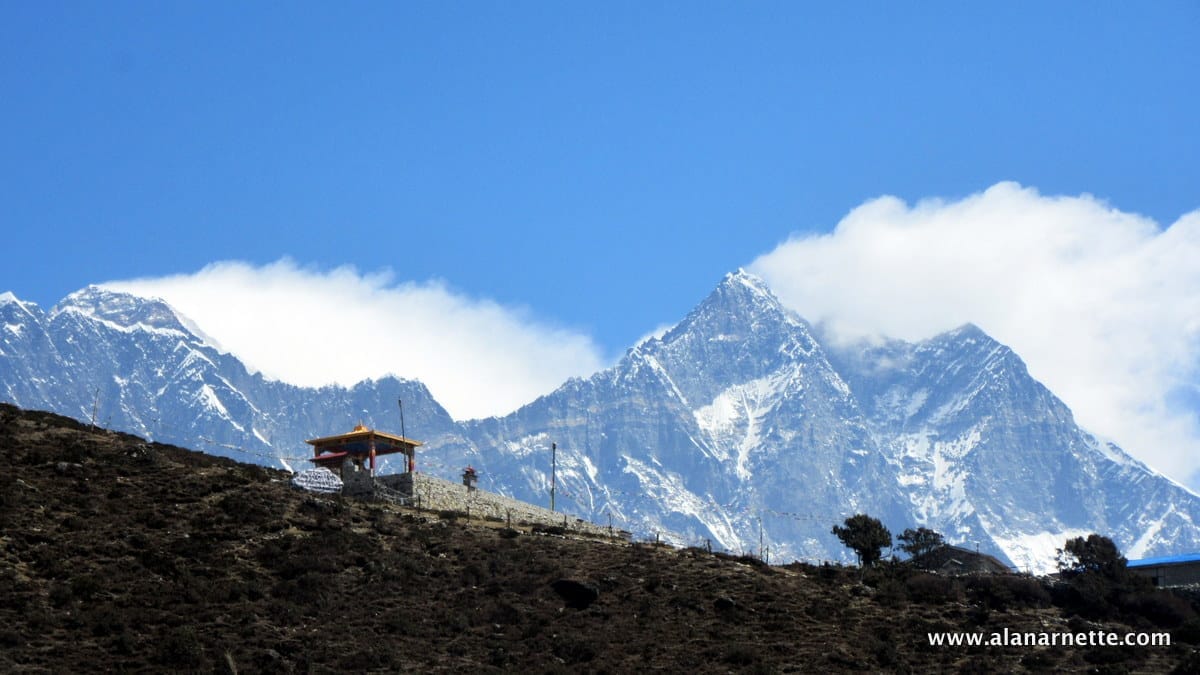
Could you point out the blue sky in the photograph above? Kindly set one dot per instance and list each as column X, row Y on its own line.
column 592, row 169
column 601, row 163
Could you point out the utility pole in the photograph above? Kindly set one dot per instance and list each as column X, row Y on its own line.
column 553, row 471
column 760, row 541
column 400, row 402
column 410, row 459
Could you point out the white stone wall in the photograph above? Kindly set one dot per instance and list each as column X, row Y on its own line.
column 437, row 494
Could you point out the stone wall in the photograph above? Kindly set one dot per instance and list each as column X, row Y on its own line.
column 429, row 492
column 356, row 482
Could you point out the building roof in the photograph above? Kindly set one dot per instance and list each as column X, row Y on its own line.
column 362, row 433
column 948, row 557
column 1165, row 560
column 330, row 458
column 360, row 443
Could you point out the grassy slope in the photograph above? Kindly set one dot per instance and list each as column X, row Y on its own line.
column 122, row 555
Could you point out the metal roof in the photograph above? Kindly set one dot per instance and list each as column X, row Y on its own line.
column 1165, row 560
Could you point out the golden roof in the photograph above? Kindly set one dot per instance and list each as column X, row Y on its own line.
column 362, row 433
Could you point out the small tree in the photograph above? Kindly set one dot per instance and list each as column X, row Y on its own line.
column 1095, row 571
column 1096, row 554
column 920, row 541
column 866, row 536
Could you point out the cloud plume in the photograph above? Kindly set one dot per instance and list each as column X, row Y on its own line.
column 312, row 327
column 1103, row 305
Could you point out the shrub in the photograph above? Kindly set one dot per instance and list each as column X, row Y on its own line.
column 830, row 573
column 739, row 656
column 1089, row 595
column 241, row 509
column 890, row 593
column 106, row 620
column 451, row 515
column 181, row 649
column 60, row 594
column 1163, row 608
column 933, row 589
column 573, row 651
column 1188, row 633
column 1189, row 664
column 1003, row 591
column 752, row 561
column 9, row 638
column 85, row 587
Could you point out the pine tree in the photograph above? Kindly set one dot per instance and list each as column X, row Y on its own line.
column 919, row 541
column 866, row 536
column 1096, row 554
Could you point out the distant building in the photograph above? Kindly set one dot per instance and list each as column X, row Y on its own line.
column 947, row 559
column 358, row 449
column 1174, row 570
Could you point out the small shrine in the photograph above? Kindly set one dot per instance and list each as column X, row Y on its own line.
column 359, row 448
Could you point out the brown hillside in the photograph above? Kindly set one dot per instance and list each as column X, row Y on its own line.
column 118, row 555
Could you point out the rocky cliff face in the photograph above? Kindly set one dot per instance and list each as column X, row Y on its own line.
column 743, row 425
column 733, row 419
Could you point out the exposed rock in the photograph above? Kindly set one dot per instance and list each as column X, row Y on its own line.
column 319, row 480
column 577, row 594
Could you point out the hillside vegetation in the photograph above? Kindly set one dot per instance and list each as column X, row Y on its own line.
column 123, row 555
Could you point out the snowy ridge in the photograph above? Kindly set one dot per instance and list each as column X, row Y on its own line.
column 740, row 416
column 113, row 325
column 937, row 469
column 1035, row 553
column 734, row 418
column 7, row 299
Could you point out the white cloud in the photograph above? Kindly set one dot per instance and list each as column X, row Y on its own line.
column 1103, row 306
column 656, row 334
column 312, row 327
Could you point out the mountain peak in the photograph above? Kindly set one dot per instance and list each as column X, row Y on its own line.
column 743, row 287
column 975, row 340
column 741, row 299
column 968, row 330
column 121, row 309
column 741, row 305
column 745, row 279
column 7, row 298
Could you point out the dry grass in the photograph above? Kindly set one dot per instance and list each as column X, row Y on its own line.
column 122, row 556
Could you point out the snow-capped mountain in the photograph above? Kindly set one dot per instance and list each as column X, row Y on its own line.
column 742, row 415
column 985, row 452
column 137, row 365
column 743, row 425
column 733, row 418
